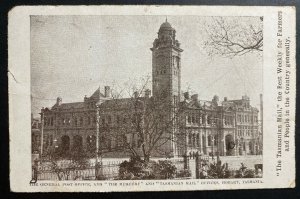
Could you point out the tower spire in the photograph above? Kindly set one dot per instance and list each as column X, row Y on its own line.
column 166, row 19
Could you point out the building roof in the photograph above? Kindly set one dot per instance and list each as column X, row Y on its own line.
column 66, row 106
column 123, row 103
column 97, row 95
column 197, row 104
column 166, row 25
column 230, row 105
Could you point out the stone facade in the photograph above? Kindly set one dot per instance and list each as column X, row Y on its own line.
column 191, row 125
column 225, row 128
column 35, row 135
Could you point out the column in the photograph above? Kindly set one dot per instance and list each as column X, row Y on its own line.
column 84, row 140
column 206, row 142
column 200, row 142
column 186, row 142
column 224, row 144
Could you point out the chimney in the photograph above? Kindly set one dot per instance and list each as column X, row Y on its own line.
column 195, row 97
column 85, row 98
column 106, row 91
column 225, row 99
column 186, row 95
column 215, row 98
column 58, row 101
column 136, row 94
column 147, row 93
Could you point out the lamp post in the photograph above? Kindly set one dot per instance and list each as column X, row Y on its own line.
column 98, row 164
column 218, row 143
column 97, row 134
column 42, row 131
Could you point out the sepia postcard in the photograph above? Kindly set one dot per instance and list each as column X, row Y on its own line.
column 151, row 98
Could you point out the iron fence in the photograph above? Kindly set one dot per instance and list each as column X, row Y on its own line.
column 109, row 170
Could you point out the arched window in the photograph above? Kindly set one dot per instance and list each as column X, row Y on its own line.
column 190, row 139
column 65, row 144
column 77, row 143
column 194, row 140
column 203, row 119
column 215, row 140
column 198, row 140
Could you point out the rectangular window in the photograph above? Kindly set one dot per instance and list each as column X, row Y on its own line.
column 209, row 119
column 193, row 119
column 189, row 119
column 209, row 140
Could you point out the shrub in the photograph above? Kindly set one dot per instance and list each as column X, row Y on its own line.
column 246, row 173
column 137, row 169
column 166, row 169
column 184, row 173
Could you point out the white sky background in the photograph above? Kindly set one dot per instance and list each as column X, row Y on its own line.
column 71, row 56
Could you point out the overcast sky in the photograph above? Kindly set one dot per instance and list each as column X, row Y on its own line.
column 71, row 56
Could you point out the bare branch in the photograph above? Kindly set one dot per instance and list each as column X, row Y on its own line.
column 231, row 38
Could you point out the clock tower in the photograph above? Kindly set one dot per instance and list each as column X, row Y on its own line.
column 166, row 65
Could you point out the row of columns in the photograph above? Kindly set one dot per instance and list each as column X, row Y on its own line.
column 58, row 141
column 203, row 146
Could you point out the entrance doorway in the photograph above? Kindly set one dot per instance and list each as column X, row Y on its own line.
column 230, row 145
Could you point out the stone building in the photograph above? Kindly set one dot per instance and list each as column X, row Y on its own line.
column 225, row 128
column 35, row 135
column 189, row 125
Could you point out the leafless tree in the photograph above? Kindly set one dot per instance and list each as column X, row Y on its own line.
column 142, row 124
column 233, row 36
